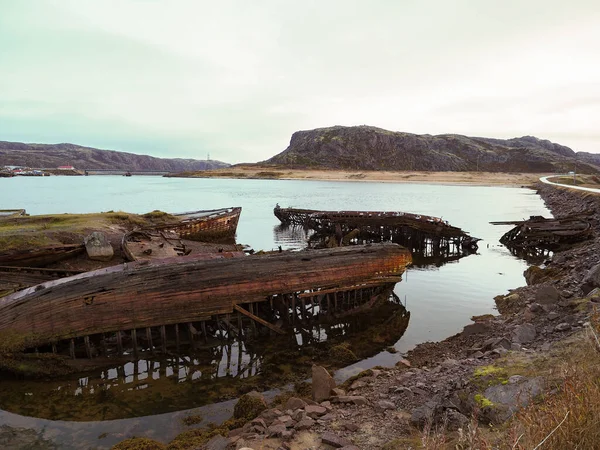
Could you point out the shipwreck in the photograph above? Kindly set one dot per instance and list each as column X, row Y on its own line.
column 421, row 234
column 155, row 304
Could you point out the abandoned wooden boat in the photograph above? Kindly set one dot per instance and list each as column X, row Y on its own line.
column 144, row 245
column 146, row 294
column 205, row 225
column 416, row 231
column 40, row 257
column 541, row 233
column 14, row 279
column 9, row 213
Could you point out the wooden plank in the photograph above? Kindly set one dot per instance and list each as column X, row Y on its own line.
column 259, row 320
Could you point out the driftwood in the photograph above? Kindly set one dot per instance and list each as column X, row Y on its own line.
column 187, row 289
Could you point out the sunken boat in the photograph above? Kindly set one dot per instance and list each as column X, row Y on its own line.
column 205, row 225
column 539, row 232
column 147, row 296
column 41, row 256
column 420, row 233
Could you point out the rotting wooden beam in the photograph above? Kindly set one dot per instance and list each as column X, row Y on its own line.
column 259, row 320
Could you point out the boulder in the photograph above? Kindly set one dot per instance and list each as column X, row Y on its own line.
column 591, row 279
column 547, row 295
column 217, row 443
column 508, row 398
column 304, row 424
column 524, row 333
column 98, row 247
column 475, row 328
column 564, row 326
column 322, row 383
column 294, row 403
column 385, row 404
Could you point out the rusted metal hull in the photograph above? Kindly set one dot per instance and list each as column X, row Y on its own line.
column 187, row 289
column 209, row 225
column 147, row 245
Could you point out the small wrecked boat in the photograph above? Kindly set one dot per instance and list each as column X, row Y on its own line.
column 550, row 234
column 146, row 294
column 207, row 225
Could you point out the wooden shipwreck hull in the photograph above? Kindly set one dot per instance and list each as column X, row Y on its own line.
column 14, row 279
column 187, row 289
column 205, row 225
column 541, row 233
column 415, row 231
column 40, row 257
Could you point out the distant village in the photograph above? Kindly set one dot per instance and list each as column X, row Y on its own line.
column 13, row 171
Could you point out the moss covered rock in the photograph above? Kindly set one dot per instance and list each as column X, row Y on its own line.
column 249, row 406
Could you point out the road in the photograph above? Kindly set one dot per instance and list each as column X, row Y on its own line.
column 579, row 188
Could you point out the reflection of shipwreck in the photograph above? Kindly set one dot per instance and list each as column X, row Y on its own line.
column 115, row 306
column 203, row 374
column 539, row 234
column 424, row 235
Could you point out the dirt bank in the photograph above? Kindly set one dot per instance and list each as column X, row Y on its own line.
column 462, row 392
column 459, row 178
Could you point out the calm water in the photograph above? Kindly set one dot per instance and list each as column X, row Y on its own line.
column 441, row 300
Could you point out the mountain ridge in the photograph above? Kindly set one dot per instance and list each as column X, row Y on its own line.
column 370, row 148
column 90, row 158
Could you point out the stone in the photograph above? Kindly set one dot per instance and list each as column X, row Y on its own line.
column 591, row 279
column 304, row 424
column 98, row 247
column 385, row 404
column 349, row 447
column 515, row 379
column 524, row 333
column 217, row 443
column 334, row 440
column 315, row 411
column 404, row 362
column 502, row 343
column 535, row 308
column 276, row 430
column 287, row 421
column 456, row 420
column 322, row 383
column 562, row 327
column 357, row 385
column 294, row 403
column 515, row 395
column 423, row 414
column 338, row 392
column 515, row 346
column 475, row 328
column 553, row 316
column 358, row 400
column 547, row 295
column 350, row 426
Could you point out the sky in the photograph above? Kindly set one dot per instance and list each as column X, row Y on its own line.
column 235, row 78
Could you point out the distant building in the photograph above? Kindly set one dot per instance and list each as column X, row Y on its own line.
column 66, row 168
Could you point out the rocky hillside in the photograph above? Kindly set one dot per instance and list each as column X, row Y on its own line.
column 51, row 156
column 370, row 148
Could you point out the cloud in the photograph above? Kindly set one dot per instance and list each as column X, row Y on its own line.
column 236, row 79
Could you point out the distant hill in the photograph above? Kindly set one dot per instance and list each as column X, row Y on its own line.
column 371, row 148
column 55, row 155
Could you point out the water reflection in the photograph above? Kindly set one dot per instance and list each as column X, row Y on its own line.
column 207, row 375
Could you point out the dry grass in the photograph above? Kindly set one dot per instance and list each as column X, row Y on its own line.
column 567, row 418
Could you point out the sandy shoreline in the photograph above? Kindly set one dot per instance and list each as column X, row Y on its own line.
column 448, row 178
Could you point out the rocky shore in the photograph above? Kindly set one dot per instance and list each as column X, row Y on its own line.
column 480, row 376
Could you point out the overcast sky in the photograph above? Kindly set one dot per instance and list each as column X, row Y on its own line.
column 236, row 78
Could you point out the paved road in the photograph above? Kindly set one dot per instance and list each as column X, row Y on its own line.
column 579, row 188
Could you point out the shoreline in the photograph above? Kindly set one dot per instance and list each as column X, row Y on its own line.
column 499, row 179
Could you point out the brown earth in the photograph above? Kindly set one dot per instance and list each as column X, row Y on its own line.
column 250, row 171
